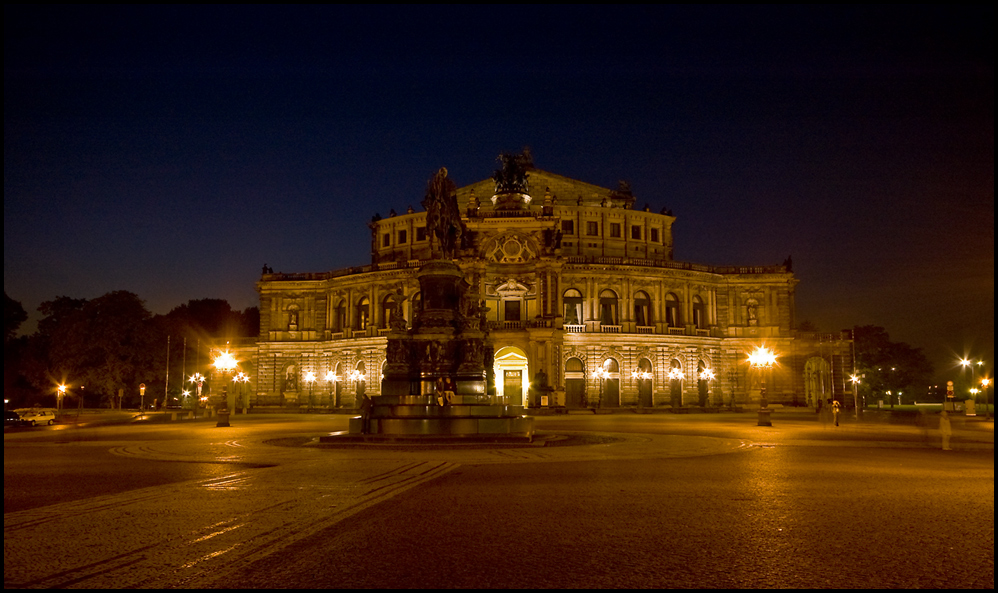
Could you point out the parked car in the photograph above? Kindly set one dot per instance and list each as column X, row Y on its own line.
column 11, row 418
column 40, row 417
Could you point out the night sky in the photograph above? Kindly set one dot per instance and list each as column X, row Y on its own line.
column 172, row 151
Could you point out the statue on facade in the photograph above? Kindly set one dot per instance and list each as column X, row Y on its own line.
column 443, row 219
column 396, row 322
column 291, row 378
column 511, row 177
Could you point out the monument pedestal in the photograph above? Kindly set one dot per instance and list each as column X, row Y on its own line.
column 441, row 357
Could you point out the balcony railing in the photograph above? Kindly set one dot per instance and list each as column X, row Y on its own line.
column 609, row 329
column 575, row 329
column 572, row 259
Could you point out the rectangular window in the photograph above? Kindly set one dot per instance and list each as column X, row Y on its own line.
column 592, row 229
column 568, row 227
column 421, row 233
column 402, row 237
column 386, row 239
column 636, row 232
column 512, row 312
column 654, row 235
column 615, row 230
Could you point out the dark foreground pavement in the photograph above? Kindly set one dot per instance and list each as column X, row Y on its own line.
column 626, row 501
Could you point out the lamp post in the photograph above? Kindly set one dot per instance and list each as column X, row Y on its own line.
column 310, row 380
column 987, row 400
column 640, row 376
column 708, row 376
column 241, row 380
column 675, row 374
column 855, row 392
column 357, row 377
column 763, row 359
column 330, row 379
column 225, row 363
column 61, row 390
column 602, row 374
column 198, row 380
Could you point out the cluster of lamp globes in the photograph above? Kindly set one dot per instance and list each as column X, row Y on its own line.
column 762, row 358
column 354, row 375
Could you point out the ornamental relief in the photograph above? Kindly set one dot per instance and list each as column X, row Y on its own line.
column 510, row 249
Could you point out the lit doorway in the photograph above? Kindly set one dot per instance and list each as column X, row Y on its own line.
column 512, row 374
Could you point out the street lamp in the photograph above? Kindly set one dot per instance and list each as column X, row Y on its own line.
column 241, row 380
column 987, row 401
column 675, row 374
column 225, row 363
column 357, row 377
column 198, row 380
column 310, row 379
column 708, row 376
column 602, row 374
column 855, row 392
column 62, row 393
column 330, row 379
column 763, row 359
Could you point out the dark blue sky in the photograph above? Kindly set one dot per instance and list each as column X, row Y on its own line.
column 172, row 151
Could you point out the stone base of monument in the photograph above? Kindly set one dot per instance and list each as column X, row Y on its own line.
column 419, row 418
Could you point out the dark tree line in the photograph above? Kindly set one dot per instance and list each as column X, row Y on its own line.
column 888, row 366
column 109, row 344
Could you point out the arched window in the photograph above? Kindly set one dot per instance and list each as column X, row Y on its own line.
column 672, row 310
column 608, row 313
column 573, row 307
column 642, row 309
column 340, row 316
column 387, row 310
column 363, row 315
column 699, row 313
column 415, row 308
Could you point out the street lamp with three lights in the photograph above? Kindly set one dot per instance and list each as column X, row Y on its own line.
column 763, row 359
column 225, row 363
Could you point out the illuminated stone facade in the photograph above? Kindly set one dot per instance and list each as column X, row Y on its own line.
column 576, row 280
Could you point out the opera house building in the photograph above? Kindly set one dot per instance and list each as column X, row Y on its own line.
column 586, row 308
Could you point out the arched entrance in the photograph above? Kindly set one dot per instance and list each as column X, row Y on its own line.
column 512, row 375
column 645, row 374
column 338, row 385
column 817, row 382
column 575, row 383
column 611, row 386
column 360, row 382
column 676, row 384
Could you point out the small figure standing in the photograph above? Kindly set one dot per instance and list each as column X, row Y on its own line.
column 365, row 415
column 945, row 429
column 836, row 408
